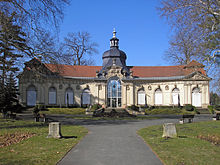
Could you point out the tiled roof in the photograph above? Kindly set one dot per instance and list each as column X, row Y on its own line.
column 74, row 70
column 157, row 71
column 138, row 71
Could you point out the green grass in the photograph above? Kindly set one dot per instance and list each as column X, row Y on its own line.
column 37, row 149
column 70, row 111
column 187, row 148
column 175, row 111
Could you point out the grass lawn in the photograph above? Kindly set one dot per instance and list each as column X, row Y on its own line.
column 37, row 149
column 70, row 111
column 187, row 148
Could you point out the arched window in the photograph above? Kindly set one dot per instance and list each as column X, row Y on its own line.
column 69, row 99
column 176, row 96
column 31, row 96
column 158, row 97
column 114, row 93
column 196, row 97
column 52, row 95
column 141, row 97
column 86, row 99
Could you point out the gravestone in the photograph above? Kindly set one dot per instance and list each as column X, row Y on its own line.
column 54, row 130
column 169, row 130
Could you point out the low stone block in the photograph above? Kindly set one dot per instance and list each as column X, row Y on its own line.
column 169, row 130
column 181, row 121
column 54, row 130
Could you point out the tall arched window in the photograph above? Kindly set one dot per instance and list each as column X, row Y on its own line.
column 176, row 96
column 69, row 97
column 141, row 97
column 158, row 97
column 114, row 93
column 52, row 95
column 196, row 97
column 31, row 96
column 86, row 97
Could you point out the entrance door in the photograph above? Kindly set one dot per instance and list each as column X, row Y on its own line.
column 114, row 93
column 158, row 97
column 31, row 96
column 175, row 96
column 196, row 97
column 86, row 97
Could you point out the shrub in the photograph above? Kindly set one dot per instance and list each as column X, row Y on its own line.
column 134, row 107
column 150, row 108
column 217, row 107
column 189, row 107
column 95, row 107
column 211, row 109
column 37, row 109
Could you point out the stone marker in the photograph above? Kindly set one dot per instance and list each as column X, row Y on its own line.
column 54, row 130
column 169, row 130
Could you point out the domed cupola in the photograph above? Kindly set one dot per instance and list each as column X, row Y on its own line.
column 114, row 56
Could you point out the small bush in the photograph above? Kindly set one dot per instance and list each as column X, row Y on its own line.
column 134, row 107
column 95, row 107
column 211, row 109
column 189, row 107
column 217, row 107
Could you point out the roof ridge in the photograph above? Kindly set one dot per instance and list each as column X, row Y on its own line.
column 159, row 66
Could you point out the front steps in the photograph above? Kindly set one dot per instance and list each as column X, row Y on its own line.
column 112, row 112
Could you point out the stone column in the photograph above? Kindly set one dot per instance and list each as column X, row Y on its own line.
column 189, row 94
column 185, row 94
column 133, row 94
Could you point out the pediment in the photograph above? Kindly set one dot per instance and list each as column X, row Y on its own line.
column 29, row 74
column 198, row 76
column 37, row 67
column 114, row 71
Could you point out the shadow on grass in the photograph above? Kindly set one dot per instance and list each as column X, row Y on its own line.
column 182, row 136
column 69, row 137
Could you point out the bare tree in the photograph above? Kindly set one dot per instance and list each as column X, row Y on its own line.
column 45, row 47
column 200, row 16
column 34, row 15
column 38, row 19
column 78, row 48
column 184, row 47
column 204, row 14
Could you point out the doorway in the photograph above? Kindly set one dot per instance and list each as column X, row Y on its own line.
column 114, row 93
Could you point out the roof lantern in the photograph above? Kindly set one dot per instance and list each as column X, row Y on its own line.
column 114, row 40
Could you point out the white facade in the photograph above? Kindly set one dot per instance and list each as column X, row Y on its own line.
column 54, row 92
column 113, row 84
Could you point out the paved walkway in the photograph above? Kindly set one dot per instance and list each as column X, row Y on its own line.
column 114, row 143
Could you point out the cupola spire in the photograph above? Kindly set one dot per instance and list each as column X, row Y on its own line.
column 114, row 40
column 114, row 33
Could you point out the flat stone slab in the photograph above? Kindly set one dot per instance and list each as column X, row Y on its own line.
column 169, row 130
column 54, row 130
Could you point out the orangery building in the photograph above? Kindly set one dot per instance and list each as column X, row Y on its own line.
column 114, row 84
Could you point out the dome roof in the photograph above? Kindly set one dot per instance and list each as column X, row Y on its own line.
column 114, row 52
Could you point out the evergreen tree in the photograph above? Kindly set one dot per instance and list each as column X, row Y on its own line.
column 11, row 95
column 12, row 44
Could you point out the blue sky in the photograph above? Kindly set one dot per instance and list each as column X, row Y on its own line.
column 142, row 34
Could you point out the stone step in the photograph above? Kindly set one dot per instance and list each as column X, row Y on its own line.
column 118, row 110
